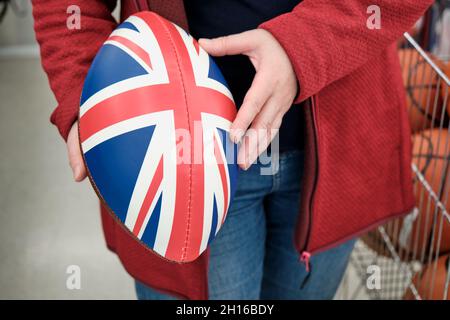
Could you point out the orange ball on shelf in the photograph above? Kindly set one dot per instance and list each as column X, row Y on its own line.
column 430, row 283
column 431, row 157
column 421, row 81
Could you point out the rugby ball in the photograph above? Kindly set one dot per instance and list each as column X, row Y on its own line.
column 154, row 119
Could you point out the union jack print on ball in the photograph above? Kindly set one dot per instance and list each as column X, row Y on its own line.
column 149, row 81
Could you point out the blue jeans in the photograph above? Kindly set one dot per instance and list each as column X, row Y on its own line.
column 253, row 255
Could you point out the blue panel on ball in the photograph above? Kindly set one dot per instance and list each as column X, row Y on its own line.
column 215, row 73
column 231, row 150
column 212, row 232
column 104, row 70
column 151, row 229
column 127, row 25
column 115, row 164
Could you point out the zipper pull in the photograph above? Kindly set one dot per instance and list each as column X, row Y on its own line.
column 305, row 257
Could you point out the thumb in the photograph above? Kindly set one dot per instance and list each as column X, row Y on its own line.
column 239, row 43
column 74, row 153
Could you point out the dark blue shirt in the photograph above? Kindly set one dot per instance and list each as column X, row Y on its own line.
column 214, row 18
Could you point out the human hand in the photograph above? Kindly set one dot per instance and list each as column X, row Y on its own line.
column 270, row 96
column 74, row 153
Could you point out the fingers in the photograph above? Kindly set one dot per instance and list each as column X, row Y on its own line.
column 270, row 95
column 239, row 43
column 74, row 153
column 254, row 143
column 260, row 134
column 256, row 97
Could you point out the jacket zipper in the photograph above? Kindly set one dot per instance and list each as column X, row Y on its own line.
column 305, row 232
column 316, row 167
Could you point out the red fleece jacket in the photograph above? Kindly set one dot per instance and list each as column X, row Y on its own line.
column 358, row 138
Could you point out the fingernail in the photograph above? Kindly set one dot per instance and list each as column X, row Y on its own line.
column 246, row 163
column 235, row 139
column 236, row 135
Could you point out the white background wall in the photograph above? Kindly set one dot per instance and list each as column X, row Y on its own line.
column 47, row 221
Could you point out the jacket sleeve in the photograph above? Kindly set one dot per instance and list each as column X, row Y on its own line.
column 67, row 53
column 327, row 40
